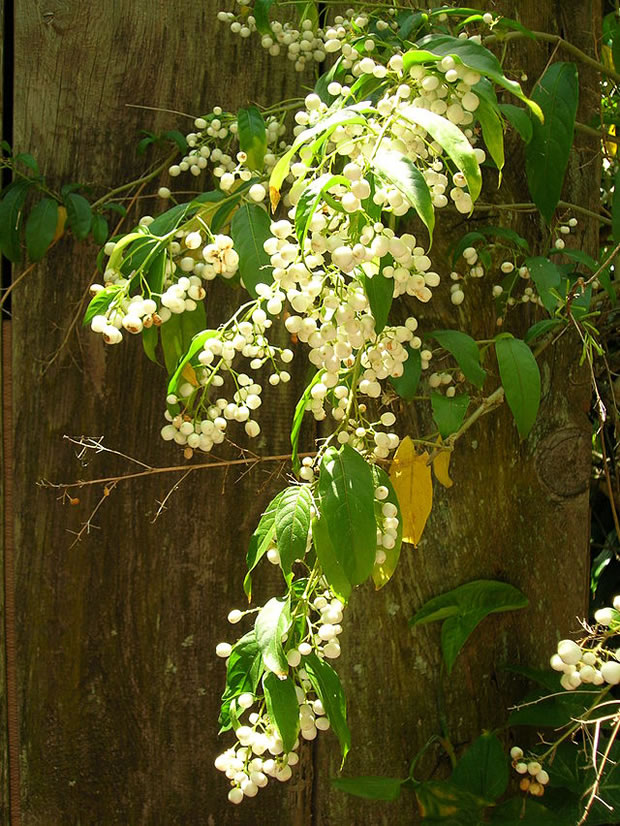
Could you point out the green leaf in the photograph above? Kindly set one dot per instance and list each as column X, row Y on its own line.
column 546, row 156
column 483, row 770
column 329, row 690
column 261, row 15
column 521, row 379
column 156, row 273
column 308, row 10
column 310, row 199
column 100, row 229
column 282, row 707
column 196, row 345
column 402, row 173
column 541, row 328
column 176, row 215
column 443, row 802
column 449, row 413
column 523, row 811
column 547, row 277
column 252, row 136
column 330, row 560
column 41, row 228
column 11, row 217
column 150, row 337
column 372, row 788
column 454, row 143
column 469, row 239
column 100, row 302
column 79, row 214
column 336, row 72
column 176, row 137
column 346, row 505
column 292, row 521
column 29, row 161
column 479, row 59
column 300, row 409
column 407, row 384
column 519, row 119
column 177, row 334
column 463, row 608
column 383, row 572
column 492, row 131
column 272, row 622
column 243, row 673
column 261, row 541
column 379, row 290
column 466, row 353
column 349, row 115
column 410, row 22
column 249, row 229
column 577, row 255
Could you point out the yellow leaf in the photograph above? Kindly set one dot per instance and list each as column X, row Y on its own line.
column 611, row 146
column 274, row 197
column 441, row 466
column 60, row 223
column 411, row 477
column 189, row 374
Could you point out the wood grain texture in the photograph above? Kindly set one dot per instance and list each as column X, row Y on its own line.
column 119, row 684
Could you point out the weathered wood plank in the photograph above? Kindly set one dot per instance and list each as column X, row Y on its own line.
column 119, row 685
column 5, row 520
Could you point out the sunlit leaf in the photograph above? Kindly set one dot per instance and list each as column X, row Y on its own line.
column 411, row 477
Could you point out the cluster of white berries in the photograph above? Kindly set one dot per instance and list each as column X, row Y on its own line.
column 246, row 764
column 212, row 146
column 307, row 43
column 387, row 525
column 595, row 665
column 123, row 313
column 534, row 777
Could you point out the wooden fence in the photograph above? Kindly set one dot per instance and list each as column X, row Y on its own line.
column 112, row 652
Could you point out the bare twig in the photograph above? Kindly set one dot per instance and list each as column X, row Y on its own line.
column 599, row 774
column 162, row 504
column 88, row 526
column 153, row 471
column 96, row 443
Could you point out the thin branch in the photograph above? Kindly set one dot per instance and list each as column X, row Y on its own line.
column 597, row 781
column 87, row 526
column 86, row 293
column 154, row 471
column 564, row 44
column 95, row 443
column 531, row 207
column 22, row 275
column 596, row 133
column 162, row 504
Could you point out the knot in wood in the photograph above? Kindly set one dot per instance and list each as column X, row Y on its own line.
column 563, row 462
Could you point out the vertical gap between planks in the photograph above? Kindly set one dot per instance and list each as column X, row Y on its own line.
column 6, row 444
column 6, row 448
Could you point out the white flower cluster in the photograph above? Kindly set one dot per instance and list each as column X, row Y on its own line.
column 245, row 764
column 212, row 145
column 387, row 530
column 309, row 43
column 597, row 665
column 197, row 421
column 131, row 314
column 182, row 291
column 534, row 777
